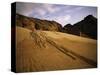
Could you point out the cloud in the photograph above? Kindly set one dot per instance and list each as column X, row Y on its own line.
column 33, row 8
column 63, row 14
column 24, row 8
column 40, row 12
column 50, row 8
column 63, row 19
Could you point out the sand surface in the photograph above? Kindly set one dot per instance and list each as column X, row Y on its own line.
column 48, row 50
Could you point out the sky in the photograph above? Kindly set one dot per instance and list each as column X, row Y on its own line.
column 63, row 14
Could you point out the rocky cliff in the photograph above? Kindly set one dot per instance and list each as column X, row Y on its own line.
column 87, row 26
column 37, row 24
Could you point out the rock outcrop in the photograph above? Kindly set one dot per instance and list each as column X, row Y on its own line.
column 88, row 27
column 37, row 24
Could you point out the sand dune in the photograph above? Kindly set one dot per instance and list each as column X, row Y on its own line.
column 48, row 50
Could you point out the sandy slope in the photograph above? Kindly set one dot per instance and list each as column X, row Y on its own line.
column 47, row 50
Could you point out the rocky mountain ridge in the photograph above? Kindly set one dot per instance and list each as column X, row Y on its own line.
column 85, row 28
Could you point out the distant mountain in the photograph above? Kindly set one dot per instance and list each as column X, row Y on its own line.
column 67, row 28
column 87, row 27
column 37, row 24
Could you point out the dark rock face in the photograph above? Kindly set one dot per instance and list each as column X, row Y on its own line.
column 37, row 24
column 88, row 26
column 67, row 28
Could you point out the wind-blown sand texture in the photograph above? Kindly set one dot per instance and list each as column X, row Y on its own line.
column 48, row 50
